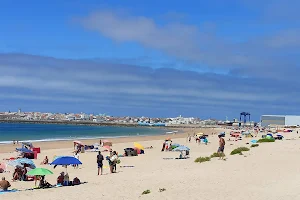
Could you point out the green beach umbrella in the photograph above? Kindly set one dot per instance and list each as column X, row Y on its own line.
column 39, row 172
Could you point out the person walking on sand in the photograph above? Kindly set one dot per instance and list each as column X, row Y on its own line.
column 221, row 147
column 100, row 162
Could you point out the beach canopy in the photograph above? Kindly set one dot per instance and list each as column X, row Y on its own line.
column 138, row 146
column 24, row 150
column 39, row 172
column 181, row 148
column 21, row 162
column 66, row 160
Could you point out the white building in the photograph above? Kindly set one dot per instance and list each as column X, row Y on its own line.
column 283, row 120
column 181, row 120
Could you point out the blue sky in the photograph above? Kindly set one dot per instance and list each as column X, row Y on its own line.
column 155, row 58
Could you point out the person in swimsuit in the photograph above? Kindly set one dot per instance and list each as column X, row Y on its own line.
column 221, row 147
column 100, row 163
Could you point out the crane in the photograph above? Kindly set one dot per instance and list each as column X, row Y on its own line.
column 244, row 115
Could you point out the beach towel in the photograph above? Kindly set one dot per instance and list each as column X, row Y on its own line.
column 8, row 191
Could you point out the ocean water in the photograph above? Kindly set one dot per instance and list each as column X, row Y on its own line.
column 53, row 132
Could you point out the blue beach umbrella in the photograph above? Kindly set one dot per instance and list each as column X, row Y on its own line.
column 181, row 148
column 21, row 162
column 66, row 160
column 24, row 150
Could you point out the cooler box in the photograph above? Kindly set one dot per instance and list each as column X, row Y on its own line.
column 37, row 149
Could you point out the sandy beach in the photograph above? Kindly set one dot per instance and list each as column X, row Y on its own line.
column 270, row 171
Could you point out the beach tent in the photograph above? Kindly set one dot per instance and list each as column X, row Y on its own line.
column 107, row 143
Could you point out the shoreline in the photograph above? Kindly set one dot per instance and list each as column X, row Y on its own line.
column 49, row 145
column 46, row 145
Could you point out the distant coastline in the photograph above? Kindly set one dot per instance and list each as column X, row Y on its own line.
column 90, row 123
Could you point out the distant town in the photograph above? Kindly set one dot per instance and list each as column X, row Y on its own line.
column 83, row 118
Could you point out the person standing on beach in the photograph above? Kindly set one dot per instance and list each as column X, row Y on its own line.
column 77, row 157
column 100, row 162
column 221, row 147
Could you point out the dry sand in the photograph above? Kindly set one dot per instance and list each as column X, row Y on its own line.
column 270, row 171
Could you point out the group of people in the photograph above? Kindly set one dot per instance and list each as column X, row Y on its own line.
column 167, row 145
column 20, row 173
column 64, row 179
column 112, row 161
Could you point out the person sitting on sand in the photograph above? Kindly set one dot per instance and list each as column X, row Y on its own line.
column 4, row 184
column 221, row 147
column 76, row 181
column 24, row 172
column 60, row 179
column 15, row 175
column 44, row 183
column 66, row 179
column 45, row 161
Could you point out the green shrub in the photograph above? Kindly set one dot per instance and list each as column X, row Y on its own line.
column 162, row 189
column 239, row 150
column 254, row 145
column 266, row 140
column 202, row 159
column 216, row 155
column 146, row 192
